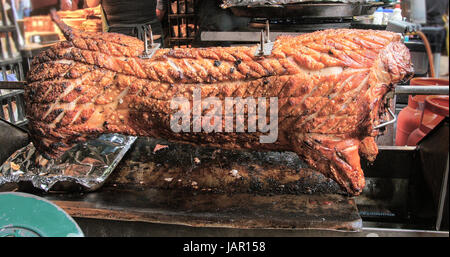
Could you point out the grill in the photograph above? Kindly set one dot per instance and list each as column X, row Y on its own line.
column 212, row 191
column 295, row 19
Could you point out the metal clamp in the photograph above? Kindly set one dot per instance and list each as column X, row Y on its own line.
column 394, row 119
column 148, row 52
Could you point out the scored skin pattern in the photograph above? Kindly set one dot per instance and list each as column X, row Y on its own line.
column 330, row 85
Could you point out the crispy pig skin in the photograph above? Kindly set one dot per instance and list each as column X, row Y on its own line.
column 330, row 86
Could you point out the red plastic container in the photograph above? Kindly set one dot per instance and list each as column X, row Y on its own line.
column 409, row 118
column 436, row 109
column 426, row 81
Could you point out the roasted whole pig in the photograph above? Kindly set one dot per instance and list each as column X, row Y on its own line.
column 330, row 87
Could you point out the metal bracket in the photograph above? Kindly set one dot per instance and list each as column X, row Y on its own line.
column 148, row 52
column 394, row 119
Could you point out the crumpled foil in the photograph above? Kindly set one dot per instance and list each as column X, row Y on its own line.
column 87, row 164
column 250, row 3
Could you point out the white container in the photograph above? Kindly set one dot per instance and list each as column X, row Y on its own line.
column 387, row 14
column 378, row 16
column 397, row 14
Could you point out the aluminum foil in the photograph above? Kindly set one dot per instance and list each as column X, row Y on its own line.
column 252, row 3
column 87, row 164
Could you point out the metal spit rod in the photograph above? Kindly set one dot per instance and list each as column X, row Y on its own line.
column 421, row 90
column 399, row 90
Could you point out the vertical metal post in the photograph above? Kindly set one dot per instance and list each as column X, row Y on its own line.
column 151, row 36
column 19, row 42
column 261, row 44
column 178, row 23
column 442, row 197
column 186, row 21
column 2, row 113
column 145, row 43
column 2, row 56
column 5, row 75
column 12, row 119
column 5, row 23
column 21, row 76
column 267, row 31
column 20, row 107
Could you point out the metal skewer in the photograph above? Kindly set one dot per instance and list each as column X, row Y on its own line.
column 151, row 36
column 261, row 45
column 145, row 44
column 148, row 51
